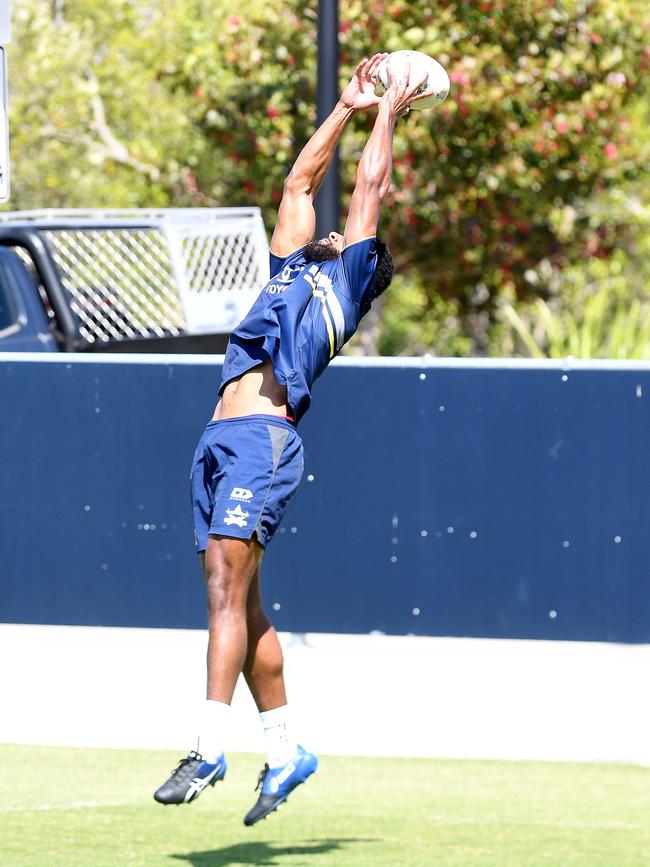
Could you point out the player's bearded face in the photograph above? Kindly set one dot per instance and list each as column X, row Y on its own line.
column 321, row 251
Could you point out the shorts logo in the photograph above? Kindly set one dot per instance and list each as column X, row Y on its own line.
column 242, row 494
column 236, row 516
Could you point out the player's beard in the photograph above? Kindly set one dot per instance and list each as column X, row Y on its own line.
column 320, row 251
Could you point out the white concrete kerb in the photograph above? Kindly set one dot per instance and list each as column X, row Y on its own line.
column 350, row 694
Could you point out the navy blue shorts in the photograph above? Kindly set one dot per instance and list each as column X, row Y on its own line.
column 245, row 471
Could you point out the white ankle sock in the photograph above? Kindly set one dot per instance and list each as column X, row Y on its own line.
column 280, row 744
column 214, row 720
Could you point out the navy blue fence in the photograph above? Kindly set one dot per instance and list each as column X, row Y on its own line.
column 450, row 499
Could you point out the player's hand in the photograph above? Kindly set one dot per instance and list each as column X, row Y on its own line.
column 359, row 94
column 401, row 95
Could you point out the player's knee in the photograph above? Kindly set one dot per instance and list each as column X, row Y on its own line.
column 225, row 591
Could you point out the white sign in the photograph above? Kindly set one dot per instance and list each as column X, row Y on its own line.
column 4, row 129
column 5, row 22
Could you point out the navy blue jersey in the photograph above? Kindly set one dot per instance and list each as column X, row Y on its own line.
column 302, row 318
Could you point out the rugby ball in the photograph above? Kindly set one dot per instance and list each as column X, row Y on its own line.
column 394, row 66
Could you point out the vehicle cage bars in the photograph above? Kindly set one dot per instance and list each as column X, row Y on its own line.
column 152, row 273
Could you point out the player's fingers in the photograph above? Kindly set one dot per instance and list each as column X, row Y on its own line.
column 374, row 65
column 378, row 56
column 366, row 72
column 407, row 76
column 415, row 87
column 360, row 66
column 400, row 84
column 422, row 95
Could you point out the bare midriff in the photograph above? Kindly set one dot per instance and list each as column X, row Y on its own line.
column 256, row 391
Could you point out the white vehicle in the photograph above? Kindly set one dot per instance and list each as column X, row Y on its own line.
column 167, row 280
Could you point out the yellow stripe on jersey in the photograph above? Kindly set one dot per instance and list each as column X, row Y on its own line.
column 321, row 293
column 336, row 312
column 330, row 329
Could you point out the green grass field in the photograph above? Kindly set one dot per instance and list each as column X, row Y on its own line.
column 66, row 807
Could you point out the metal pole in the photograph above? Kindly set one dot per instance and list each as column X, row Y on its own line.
column 327, row 93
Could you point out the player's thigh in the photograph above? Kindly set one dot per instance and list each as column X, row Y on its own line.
column 231, row 563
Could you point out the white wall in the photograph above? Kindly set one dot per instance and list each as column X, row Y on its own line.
column 372, row 695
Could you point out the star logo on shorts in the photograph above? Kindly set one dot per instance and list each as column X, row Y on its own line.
column 236, row 516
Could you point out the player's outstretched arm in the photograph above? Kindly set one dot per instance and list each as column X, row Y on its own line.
column 373, row 178
column 296, row 216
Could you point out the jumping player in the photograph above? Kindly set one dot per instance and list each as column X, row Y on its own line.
column 249, row 460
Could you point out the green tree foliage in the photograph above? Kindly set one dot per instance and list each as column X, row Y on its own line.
column 249, row 72
column 492, row 187
column 201, row 103
column 596, row 309
column 91, row 124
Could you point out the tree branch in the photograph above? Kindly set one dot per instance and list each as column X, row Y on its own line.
column 113, row 148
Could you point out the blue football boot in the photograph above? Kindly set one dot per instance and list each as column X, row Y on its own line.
column 190, row 778
column 277, row 784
